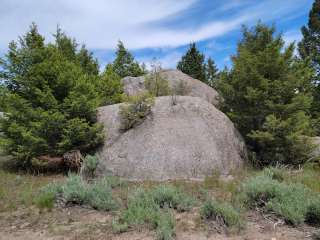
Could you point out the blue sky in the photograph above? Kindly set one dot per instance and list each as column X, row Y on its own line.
column 153, row 28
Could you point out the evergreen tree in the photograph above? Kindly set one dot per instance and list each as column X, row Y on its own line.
column 88, row 63
column 309, row 50
column 65, row 45
column 192, row 63
column 50, row 102
column 310, row 44
column 268, row 96
column 110, row 86
column 211, row 73
column 124, row 65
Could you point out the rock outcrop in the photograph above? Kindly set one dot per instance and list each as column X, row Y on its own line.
column 189, row 140
column 193, row 87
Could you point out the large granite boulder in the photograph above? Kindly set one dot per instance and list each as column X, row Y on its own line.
column 188, row 140
column 175, row 78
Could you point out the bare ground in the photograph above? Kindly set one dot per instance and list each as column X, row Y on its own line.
column 76, row 223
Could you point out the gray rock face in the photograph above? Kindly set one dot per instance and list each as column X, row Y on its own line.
column 316, row 151
column 196, row 88
column 188, row 140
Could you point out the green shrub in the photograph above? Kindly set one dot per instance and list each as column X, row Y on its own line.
column 114, row 181
column 99, row 196
column 157, row 85
column 141, row 209
column 144, row 208
column 276, row 173
column 47, row 196
column 90, row 164
column 169, row 196
column 215, row 210
column 135, row 110
column 166, row 226
column 119, row 227
column 288, row 200
column 75, row 190
column 50, row 97
column 313, row 212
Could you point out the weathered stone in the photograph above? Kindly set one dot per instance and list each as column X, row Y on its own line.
column 193, row 87
column 189, row 140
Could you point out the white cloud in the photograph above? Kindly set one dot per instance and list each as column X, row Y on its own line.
column 101, row 23
column 292, row 36
column 167, row 61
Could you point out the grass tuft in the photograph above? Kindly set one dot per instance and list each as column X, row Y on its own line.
column 169, row 196
column 288, row 200
column 74, row 190
column 47, row 196
column 99, row 196
column 313, row 212
column 222, row 211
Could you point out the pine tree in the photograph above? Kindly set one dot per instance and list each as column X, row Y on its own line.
column 310, row 44
column 50, row 101
column 309, row 49
column 110, row 86
column 124, row 64
column 211, row 73
column 268, row 96
column 88, row 63
column 192, row 63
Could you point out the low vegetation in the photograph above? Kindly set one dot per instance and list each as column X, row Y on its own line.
column 290, row 201
column 154, row 208
column 155, row 83
column 222, row 212
column 75, row 190
column 135, row 109
column 89, row 166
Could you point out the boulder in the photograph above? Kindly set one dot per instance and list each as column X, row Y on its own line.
column 175, row 78
column 190, row 139
column 316, row 152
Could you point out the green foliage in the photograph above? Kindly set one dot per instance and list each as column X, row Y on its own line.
column 124, row 65
column 119, row 227
column 50, row 97
column 276, row 173
column 141, row 209
column 47, row 196
column 135, row 110
column 166, row 226
column 309, row 50
column 192, row 63
column 114, row 181
column 313, row 212
column 268, row 94
column 153, row 207
column 169, row 196
column 89, row 166
column 211, row 73
column 222, row 211
column 79, row 133
column 100, row 197
column 155, row 84
column 98, row 194
column 288, row 200
column 75, row 190
column 110, row 87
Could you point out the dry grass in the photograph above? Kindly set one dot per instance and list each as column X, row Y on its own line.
column 19, row 190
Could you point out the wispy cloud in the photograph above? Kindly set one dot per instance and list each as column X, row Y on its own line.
column 101, row 23
column 146, row 24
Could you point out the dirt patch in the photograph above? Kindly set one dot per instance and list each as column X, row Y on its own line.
column 76, row 223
